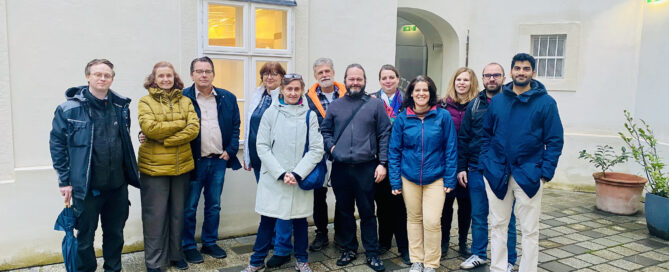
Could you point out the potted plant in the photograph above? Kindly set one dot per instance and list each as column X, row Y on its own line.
column 640, row 139
column 617, row 193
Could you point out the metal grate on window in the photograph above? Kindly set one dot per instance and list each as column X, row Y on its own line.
column 549, row 52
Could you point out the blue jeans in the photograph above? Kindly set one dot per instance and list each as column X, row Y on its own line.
column 285, row 230
column 210, row 175
column 479, row 201
column 264, row 240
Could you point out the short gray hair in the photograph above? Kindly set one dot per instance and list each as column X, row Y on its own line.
column 322, row 61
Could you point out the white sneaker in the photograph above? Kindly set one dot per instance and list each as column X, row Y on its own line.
column 429, row 269
column 416, row 267
column 472, row 261
column 509, row 268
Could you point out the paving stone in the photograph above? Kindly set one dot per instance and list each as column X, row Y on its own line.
column 606, row 268
column 591, row 224
column 624, row 251
column 578, row 237
column 575, row 263
column 232, row 269
column 559, row 253
column 566, row 220
column 556, row 214
column 637, row 247
column 553, row 222
column 654, row 269
column 627, row 265
column 655, row 255
column 593, row 234
column 621, row 239
column 607, row 254
column 585, row 270
column 543, row 257
column 665, row 265
column 548, row 244
column 590, row 245
column 242, row 249
column 654, row 244
column 550, row 233
column 579, row 227
column 607, row 231
column 634, row 235
column 556, row 266
column 606, row 242
column 593, row 259
column 574, row 249
column 562, row 240
column 641, row 260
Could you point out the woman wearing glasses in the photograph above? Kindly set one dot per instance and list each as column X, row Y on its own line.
column 271, row 74
column 462, row 89
column 169, row 122
column 282, row 136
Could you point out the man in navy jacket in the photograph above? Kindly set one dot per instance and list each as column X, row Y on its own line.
column 214, row 150
column 521, row 144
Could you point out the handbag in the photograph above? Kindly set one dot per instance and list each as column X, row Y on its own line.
column 316, row 178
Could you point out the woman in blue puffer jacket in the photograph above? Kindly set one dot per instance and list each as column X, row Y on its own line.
column 422, row 161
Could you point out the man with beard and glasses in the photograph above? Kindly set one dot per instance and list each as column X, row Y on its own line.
column 469, row 175
column 521, row 143
column 319, row 97
column 356, row 131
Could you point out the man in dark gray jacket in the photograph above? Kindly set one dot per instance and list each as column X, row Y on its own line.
column 356, row 131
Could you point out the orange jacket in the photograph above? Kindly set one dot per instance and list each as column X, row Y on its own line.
column 311, row 94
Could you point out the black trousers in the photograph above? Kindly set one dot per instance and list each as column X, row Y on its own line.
column 392, row 217
column 353, row 185
column 464, row 219
column 321, row 213
column 111, row 208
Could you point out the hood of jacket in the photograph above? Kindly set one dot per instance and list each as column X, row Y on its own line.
column 77, row 94
column 536, row 89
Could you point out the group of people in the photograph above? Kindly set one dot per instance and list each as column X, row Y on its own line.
column 403, row 155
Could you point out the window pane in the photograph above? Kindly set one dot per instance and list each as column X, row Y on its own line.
column 226, row 25
column 270, row 29
column 240, row 105
column 552, row 45
column 543, row 46
column 550, row 68
column 259, row 65
column 535, row 46
column 559, row 64
column 560, row 45
column 541, row 67
column 230, row 76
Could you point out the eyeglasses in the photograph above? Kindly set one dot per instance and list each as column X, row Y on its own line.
column 492, row 76
column 270, row 74
column 208, row 72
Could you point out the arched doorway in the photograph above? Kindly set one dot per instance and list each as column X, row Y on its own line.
column 431, row 48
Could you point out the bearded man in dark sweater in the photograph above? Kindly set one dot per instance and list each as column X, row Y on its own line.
column 356, row 131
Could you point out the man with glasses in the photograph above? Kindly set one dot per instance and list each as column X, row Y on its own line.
column 319, row 97
column 93, row 156
column 521, row 143
column 214, row 150
column 469, row 175
column 356, row 131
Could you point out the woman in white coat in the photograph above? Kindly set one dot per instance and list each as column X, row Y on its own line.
column 279, row 200
column 271, row 74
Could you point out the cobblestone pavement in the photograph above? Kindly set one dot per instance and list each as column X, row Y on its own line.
column 574, row 236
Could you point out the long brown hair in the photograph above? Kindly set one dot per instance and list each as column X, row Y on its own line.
column 150, row 81
column 473, row 87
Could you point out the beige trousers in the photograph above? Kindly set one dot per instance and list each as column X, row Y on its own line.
column 424, row 205
column 527, row 211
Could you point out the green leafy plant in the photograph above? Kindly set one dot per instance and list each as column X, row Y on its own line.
column 604, row 157
column 640, row 139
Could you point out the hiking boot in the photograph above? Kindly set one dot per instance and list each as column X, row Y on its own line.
column 375, row 263
column 346, row 258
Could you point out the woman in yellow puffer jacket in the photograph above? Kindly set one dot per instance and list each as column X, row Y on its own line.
column 169, row 122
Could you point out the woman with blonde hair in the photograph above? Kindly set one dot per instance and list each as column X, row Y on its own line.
column 462, row 88
column 169, row 122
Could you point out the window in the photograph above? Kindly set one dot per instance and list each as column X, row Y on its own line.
column 549, row 52
column 555, row 47
column 240, row 37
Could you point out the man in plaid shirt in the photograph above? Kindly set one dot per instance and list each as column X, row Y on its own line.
column 319, row 97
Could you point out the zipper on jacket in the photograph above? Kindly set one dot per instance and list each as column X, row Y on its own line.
column 422, row 148
column 90, row 153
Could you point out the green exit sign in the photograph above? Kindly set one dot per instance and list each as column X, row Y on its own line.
column 408, row 28
column 655, row 1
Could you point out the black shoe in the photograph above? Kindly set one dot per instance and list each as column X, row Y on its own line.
column 320, row 242
column 375, row 263
column 276, row 261
column 462, row 250
column 214, row 251
column 383, row 249
column 180, row 264
column 153, row 269
column 346, row 258
column 406, row 259
column 193, row 256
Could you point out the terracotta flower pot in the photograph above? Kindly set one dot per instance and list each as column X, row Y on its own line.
column 619, row 193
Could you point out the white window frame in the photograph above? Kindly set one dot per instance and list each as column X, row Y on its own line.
column 569, row 80
column 555, row 57
column 248, row 53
